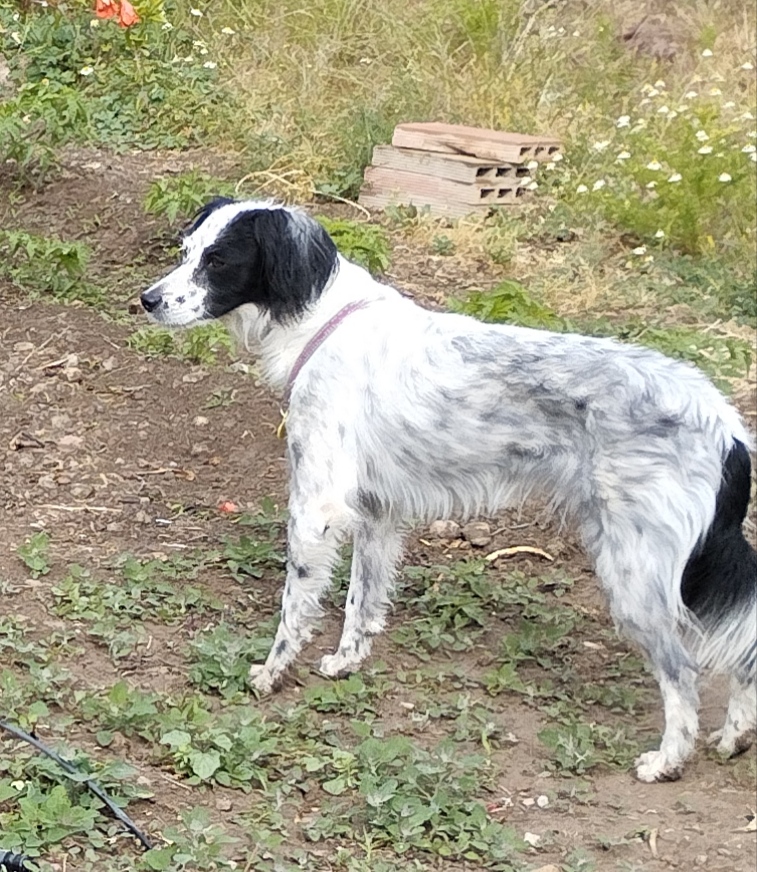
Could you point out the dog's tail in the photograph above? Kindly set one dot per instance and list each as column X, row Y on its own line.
column 719, row 583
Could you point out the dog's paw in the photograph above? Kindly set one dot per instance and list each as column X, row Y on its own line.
column 654, row 766
column 336, row 666
column 730, row 743
column 260, row 679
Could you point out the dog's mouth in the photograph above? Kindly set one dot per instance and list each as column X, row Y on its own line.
column 167, row 312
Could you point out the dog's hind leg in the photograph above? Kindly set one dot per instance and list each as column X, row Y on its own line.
column 737, row 735
column 314, row 535
column 376, row 550
column 636, row 580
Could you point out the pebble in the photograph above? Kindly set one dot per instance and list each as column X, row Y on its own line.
column 478, row 533
column 445, row 529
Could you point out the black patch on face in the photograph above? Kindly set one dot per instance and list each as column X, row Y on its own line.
column 281, row 648
column 278, row 261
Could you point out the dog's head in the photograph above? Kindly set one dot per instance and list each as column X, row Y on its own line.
column 251, row 253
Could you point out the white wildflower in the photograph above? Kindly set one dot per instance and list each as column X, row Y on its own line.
column 196, row 12
column 724, row 177
column 167, row 26
column 651, row 185
column 623, row 121
column 690, row 95
column 749, row 149
column 660, row 234
column 747, row 66
column 746, row 116
column 227, row 31
column 16, row 37
column 581, row 189
column 601, row 146
column 532, row 186
column 715, row 92
column 641, row 250
column 210, row 65
column 753, row 156
column 705, row 149
column 532, row 165
column 663, row 110
column 598, row 185
column 557, row 157
column 624, row 155
column 729, row 105
column 675, row 177
column 86, row 71
column 707, row 53
column 550, row 165
column 660, row 84
column 654, row 165
column 702, row 136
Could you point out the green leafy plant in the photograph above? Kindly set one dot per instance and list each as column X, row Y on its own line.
column 47, row 266
column 35, row 554
column 180, row 197
column 509, row 302
column 365, row 244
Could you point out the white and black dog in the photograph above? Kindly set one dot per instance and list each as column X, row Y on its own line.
column 396, row 413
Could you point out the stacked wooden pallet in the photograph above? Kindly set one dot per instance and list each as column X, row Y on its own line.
column 453, row 170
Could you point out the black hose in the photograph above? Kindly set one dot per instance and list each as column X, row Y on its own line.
column 10, row 862
column 92, row 786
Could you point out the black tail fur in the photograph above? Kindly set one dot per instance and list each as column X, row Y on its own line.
column 720, row 578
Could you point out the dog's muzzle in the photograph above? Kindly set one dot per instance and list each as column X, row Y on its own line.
column 151, row 299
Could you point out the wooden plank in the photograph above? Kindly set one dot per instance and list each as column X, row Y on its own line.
column 494, row 145
column 456, row 167
column 384, row 187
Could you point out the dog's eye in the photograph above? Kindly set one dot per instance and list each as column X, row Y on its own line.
column 214, row 260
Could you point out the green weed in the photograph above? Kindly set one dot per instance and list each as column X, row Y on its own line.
column 203, row 344
column 47, row 267
column 35, row 553
column 580, row 747
column 220, row 657
column 365, row 244
column 412, row 799
column 180, row 197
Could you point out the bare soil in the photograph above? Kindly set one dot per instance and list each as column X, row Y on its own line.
column 110, row 452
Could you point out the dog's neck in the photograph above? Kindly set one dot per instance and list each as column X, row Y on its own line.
column 279, row 346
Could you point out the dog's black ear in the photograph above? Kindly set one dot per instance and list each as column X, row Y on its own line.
column 206, row 211
column 291, row 259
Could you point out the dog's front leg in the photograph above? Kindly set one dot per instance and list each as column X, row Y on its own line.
column 376, row 550
column 314, row 535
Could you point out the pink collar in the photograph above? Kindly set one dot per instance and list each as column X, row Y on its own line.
column 320, row 337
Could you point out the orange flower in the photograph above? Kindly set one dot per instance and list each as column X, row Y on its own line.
column 123, row 10
column 106, row 8
column 128, row 15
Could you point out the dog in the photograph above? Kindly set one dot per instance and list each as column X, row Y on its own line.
column 396, row 413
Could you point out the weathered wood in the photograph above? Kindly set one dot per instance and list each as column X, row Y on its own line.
column 493, row 145
column 455, row 167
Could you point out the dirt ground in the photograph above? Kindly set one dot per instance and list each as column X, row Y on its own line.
column 111, row 452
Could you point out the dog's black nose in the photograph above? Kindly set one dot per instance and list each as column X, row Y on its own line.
column 151, row 299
